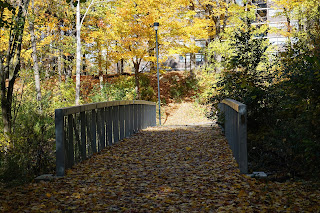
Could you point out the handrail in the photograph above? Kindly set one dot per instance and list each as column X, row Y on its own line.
column 234, row 115
column 87, row 129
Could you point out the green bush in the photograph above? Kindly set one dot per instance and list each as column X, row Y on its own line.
column 121, row 89
column 282, row 100
column 147, row 92
column 30, row 150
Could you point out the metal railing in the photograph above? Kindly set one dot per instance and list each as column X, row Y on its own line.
column 87, row 129
column 234, row 116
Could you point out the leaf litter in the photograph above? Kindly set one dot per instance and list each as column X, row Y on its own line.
column 162, row 169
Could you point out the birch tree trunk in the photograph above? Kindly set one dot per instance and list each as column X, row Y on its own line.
column 35, row 58
column 78, row 59
column 59, row 66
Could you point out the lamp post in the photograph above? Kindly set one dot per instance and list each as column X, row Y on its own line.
column 156, row 26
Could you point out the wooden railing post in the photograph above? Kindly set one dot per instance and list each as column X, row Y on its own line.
column 60, row 142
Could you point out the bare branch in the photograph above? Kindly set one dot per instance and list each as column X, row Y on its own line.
column 91, row 3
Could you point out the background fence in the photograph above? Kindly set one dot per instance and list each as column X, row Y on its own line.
column 87, row 129
column 234, row 118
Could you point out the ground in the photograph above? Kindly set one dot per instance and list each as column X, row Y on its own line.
column 183, row 166
column 184, row 113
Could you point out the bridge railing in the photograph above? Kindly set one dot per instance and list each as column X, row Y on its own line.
column 234, row 116
column 87, row 129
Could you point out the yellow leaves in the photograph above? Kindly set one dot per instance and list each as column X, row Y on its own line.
column 48, row 195
column 188, row 148
column 242, row 193
column 76, row 195
column 47, row 40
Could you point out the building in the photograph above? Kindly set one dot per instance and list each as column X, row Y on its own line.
column 266, row 13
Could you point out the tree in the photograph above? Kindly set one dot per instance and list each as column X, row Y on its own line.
column 132, row 23
column 79, row 23
column 34, row 55
column 10, row 60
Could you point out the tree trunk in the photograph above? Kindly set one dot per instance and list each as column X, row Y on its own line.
column 121, row 66
column 136, row 72
column 190, row 61
column 59, row 66
column 100, row 68
column 67, row 67
column 185, row 62
column 287, row 15
column 78, row 59
column 106, row 69
column 151, row 52
column 35, row 59
column 100, row 60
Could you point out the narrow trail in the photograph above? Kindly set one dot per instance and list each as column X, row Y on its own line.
column 161, row 169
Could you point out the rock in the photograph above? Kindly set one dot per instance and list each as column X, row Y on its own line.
column 45, row 177
column 258, row 175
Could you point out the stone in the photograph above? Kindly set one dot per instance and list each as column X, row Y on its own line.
column 258, row 175
column 45, row 177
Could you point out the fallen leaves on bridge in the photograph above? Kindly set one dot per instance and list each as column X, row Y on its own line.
column 167, row 169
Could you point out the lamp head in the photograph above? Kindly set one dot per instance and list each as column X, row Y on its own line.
column 156, row 25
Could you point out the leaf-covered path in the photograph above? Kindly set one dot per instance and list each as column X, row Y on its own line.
column 161, row 169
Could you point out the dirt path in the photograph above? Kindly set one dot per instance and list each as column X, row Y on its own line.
column 161, row 169
column 185, row 113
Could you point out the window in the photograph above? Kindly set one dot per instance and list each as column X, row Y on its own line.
column 199, row 57
column 181, row 59
column 273, row 13
column 188, row 57
column 200, row 43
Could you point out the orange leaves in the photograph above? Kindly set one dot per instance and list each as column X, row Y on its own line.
column 48, row 195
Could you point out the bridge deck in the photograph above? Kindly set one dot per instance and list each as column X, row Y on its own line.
column 161, row 169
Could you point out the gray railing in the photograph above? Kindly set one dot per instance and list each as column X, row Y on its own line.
column 234, row 116
column 87, row 129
